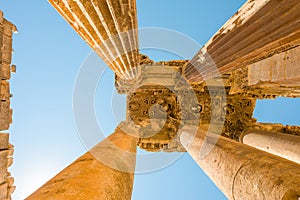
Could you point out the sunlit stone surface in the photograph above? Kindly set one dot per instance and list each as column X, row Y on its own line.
column 260, row 29
column 89, row 178
column 253, row 56
column 6, row 149
column 109, row 27
column 241, row 171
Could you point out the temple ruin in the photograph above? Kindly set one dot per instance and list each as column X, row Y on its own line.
column 183, row 105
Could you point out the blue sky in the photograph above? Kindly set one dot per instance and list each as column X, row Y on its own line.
column 48, row 55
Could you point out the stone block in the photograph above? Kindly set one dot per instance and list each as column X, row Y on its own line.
column 3, row 191
column 1, row 36
column 3, row 167
column 292, row 60
column 4, row 71
column 6, row 57
column 10, row 161
column 10, row 181
column 5, row 115
column 277, row 68
column 8, row 28
column 10, row 152
column 10, row 115
column 281, row 69
column 11, row 190
column 6, row 49
column 260, row 72
column 4, row 90
column 1, row 17
column 7, row 43
column 4, row 141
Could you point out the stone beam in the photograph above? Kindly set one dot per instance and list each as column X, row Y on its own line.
column 109, row 27
column 241, row 171
column 278, row 70
column 283, row 145
column 258, row 30
column 89, row 178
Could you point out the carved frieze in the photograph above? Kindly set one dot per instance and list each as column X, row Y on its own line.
column 160, row 101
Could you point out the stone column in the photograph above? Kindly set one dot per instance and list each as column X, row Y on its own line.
column 109, row 27
column 283, row 145
column 241, row 171
column 105, row 172
column 258, row 30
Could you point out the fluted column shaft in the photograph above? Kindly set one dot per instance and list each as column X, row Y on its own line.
column 258, row 30
column 109, row 27
column 243, row 172
column 89, row 178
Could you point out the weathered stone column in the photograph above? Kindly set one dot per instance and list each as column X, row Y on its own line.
column 94, row 176
column 109, row 27
column 241, row 171
column 258, row 30
column 283, row 145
